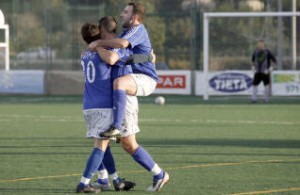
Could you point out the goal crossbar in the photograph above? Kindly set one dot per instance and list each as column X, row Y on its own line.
column 249, row 14
column 208, row 15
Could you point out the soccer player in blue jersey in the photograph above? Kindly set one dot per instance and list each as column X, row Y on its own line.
column 144, row 78
column 97, row 110
column 128, row 131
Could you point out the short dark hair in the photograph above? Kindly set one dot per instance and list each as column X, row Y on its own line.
column 138, row 9
column 109, row 23
column 90, row 32
column 260, row 40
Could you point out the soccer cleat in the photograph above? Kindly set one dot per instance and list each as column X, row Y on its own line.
column 102, row 187
column 123, row 185
column 112, row 131
column 114, row 138
column 158, row 184
column 118, row 140
column 87, row 189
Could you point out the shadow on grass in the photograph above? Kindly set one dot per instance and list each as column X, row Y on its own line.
column 36, row 190
column 58, row 191
column 169, row 142
column 170, row 99
column 255, row 143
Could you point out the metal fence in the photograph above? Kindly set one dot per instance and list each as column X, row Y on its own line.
column 45, row 34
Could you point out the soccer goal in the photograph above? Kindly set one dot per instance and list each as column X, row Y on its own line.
column 229, row 40
column 4, row 44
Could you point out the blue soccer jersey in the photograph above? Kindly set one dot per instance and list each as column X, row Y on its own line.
column 119, row 69
column 98, row 85
column 139, row 40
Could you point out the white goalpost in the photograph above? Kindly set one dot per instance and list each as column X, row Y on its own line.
column 5, row 44
column 207, row 16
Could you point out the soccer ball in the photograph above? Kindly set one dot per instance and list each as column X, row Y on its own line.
column 160, row 100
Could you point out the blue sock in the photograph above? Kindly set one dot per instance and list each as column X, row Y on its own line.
column 93, row 163
column 109, row 161
column 142, row 157
column 159, row 176
column 101, row 167
column 103, row 181
column 119, row 105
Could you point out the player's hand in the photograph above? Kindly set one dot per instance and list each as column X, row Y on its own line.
column 270, row 69
column 266, row 71
column 93, row 45
column 81, row 54
column 253, row 69
column 153, row 56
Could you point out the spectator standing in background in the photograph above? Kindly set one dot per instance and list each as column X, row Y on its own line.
column 262, row 66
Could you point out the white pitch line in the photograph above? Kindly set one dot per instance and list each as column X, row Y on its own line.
column 222, row 121
column 271, row 191
column 168, row 168
column 51, row 118
column 41, row 118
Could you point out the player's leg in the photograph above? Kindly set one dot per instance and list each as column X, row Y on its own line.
column 255, row 84
column 96, row 120
column 102, row 181
column 133, row 84
column 92, row 165
column 142, row 157
column 139, row 154
column 109, row 164
column 254, row 93
column 266, row 81
column 119, row 183
column 121, row 87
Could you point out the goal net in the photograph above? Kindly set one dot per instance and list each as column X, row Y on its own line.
column 229, row 40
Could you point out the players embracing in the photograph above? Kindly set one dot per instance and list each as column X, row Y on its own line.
column 143, row 80
column 139, row 79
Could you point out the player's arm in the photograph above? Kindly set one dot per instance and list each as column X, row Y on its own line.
column 253, row 62
column 107, row 56
column 140, row 58
column 272, row 61
column 109, row 43
column 272, row 57
column 112, row 58
column 253, row 58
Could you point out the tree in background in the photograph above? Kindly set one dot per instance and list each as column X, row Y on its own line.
column 174, row 26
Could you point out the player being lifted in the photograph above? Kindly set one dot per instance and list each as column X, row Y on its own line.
column 130, row 125
column 144, row 78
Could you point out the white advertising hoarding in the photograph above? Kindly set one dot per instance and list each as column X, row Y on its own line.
column 173, row 82
column 286, row 83
column 22, row 82
column 178, row 82
column 226, row 83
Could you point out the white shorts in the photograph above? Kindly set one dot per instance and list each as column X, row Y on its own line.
column 145, row 84
column 97, row 121
column 130, row 124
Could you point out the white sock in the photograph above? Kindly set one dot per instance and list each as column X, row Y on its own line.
column 114, row 176
column 156, row 169
column 84, row 180
column 267, row 93
column 102, row 174
column 254, row 93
